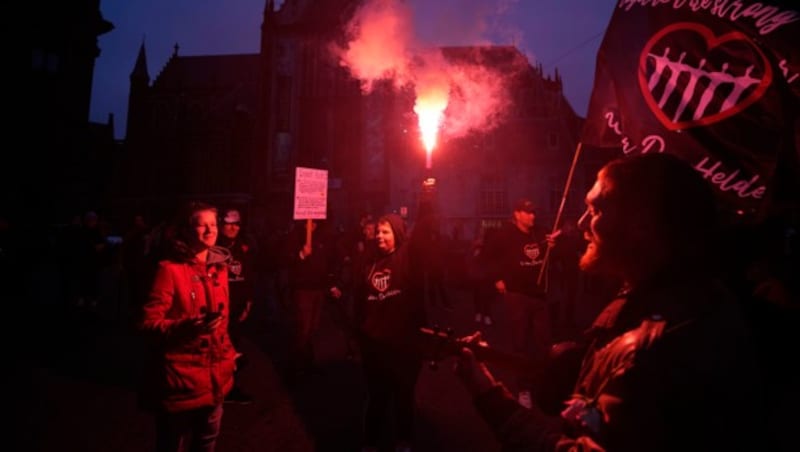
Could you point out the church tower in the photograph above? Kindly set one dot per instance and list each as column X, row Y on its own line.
column 137, row 97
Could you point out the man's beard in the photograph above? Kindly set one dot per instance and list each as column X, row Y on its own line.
column 611, row 258
column 589, row 259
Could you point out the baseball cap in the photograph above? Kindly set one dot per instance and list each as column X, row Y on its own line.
column 524, row 205
column 232, row 216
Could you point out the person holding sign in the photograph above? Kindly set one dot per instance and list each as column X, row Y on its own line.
column 310, row 280
column 310, row 272
column 670, row 362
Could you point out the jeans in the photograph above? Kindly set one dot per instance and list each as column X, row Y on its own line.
column 192, row 431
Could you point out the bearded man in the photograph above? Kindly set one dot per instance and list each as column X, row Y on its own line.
column 670, row 362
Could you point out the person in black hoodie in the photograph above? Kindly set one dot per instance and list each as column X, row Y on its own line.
column 389, row 312
column 241, row 278
column 517, row 253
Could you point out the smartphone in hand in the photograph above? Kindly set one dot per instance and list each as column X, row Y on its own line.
column 211, row 320
column 212, row 316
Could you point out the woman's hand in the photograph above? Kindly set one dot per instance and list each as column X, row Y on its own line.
column 200, row 324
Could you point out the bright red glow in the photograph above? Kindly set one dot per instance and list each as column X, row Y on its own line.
column 431, row 102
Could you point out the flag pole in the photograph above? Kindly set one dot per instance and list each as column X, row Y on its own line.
column 309, row 229
column 560, row 210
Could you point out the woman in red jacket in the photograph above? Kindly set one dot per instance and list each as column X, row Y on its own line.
column 190, row 367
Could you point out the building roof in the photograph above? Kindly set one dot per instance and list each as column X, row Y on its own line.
column 211, row 87
column 208, row 71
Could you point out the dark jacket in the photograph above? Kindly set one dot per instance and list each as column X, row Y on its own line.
column 388, row 306
column 670, row 367
column 241, row 269
column 314, row 272
column 517, row 258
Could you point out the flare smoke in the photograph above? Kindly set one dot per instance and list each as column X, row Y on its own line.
column 383, row 44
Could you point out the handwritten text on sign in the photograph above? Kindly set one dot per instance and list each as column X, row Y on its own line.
column 310, row 193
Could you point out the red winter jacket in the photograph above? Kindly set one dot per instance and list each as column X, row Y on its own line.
column 187, row 370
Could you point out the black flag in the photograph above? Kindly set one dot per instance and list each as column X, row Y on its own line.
column 714, row 82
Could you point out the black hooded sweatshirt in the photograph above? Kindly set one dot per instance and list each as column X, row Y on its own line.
column 389, row 309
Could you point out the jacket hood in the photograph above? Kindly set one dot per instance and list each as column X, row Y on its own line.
column 398, row 227
column 218, row 255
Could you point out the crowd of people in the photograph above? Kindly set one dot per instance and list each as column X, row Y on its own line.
column 678, row 359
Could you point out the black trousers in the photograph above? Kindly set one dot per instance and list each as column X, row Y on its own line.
column 391, row 376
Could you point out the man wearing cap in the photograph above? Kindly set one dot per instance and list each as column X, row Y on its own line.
column 517, row 255
column 242, row 286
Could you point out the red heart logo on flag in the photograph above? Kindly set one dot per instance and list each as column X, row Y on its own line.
column 700, row 90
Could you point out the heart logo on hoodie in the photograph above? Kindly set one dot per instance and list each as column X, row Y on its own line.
column 381, row 280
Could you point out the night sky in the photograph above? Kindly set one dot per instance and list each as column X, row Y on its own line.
column 563, row 34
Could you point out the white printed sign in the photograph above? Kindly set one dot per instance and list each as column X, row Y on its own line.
column 310, row 193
